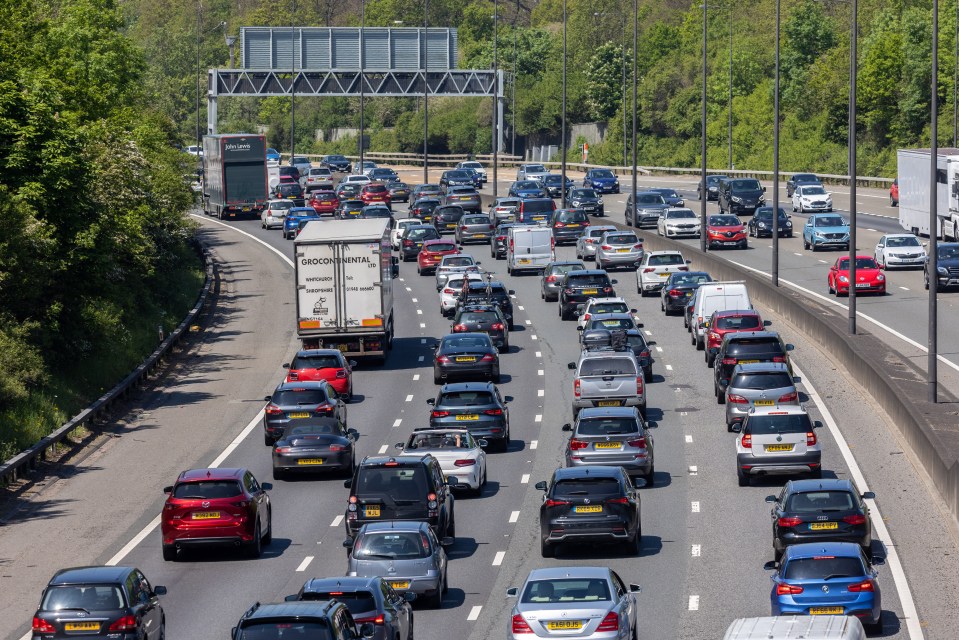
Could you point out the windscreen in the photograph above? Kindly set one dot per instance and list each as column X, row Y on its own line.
column 611, row 324
column 465, row 398
column 903, row 241
column 458, row 261
column 393, row 545
column 606, row 426
column 754, row 347
column 948, row 253
column 588, row 280
column 457, row 175
column 766, row 213
column 668, row 193
column 88, row 597
column 595, row 488
column 355, row 601
column 478, row 316
column 566, row 590
column 684, row 214
column 316, row 362
column 738, row 323
column 207, row 489
column 245, row 181
column 760, row 381
column 290, row 397
column 820, row 501
column 813, row 191
column 535, row 168
column 830, row 221
column 725, row 221
column 405, row 483
column 823, row 567
column 861, row 263
column 602, row 173
column 440, row 246
column 745, row 185
column 665, row 260
column 571, row 216
column 285, row 630
column 336, row 159
column 553, row 179
column 648, row 198
column 582, row 193
column 527, row 184
column 773, row 424
column 607, row 367
column 622, row 238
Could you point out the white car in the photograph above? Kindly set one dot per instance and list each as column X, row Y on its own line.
column 475, row 166
column 679, row 223
column 454, row 263
column 449, row 294
column 452, row 448
column 811, row 198
column 900, row 250
column 274, row 214
column 317, row 178
column 655, row 269
column 356, row 179
column 194, row 150
column 600, row 306
column 397, row 233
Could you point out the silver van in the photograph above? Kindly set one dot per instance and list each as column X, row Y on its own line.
column 529, row 248
column 795, row 627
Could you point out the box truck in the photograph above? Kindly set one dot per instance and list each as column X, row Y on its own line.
column 914, row 201
column 234, row 175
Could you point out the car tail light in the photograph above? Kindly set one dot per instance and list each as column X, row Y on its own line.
column 789, row 397
column 520, row 625
column 293, row 376
column 443, row 359
column 511, row 248
column 644, row 354
column 729, row 361
column 779, row 359
column 459, row 328
column 586, row 317
column 810, row 439
column 714, row 337
column 865, row 585
column 439, row 414
column 606, row 247
column 282, row 449
column 488, row 358
column 126, row 623
column 856, row 519
column 639, row 443
column 560, row 224
column 648, row 270
column 789, row 521
column 463, row 228
column 788, row 589
column 497, row 326
column 609, row 623
column 272, row 410
column 42, row 626
column 576, row 388
column 684, row 268
column 556, row 503
column 733, row 398
column 607, row 289
column 576, row 445
column 568, row 291
column 675, row 293
column 552, row 243
column 338, row 447
column 747, row 441
column 465, row 462
column 638, row 246
column 621, row 500
column 378, row 620
column 449, row 292
column 324, row 409
column 550, row 278
column 639, row 384
column 494, row 412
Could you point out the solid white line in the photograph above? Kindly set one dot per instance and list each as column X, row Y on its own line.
column 337, row 521
column 694, row 603
column 383, row 449
column 904, row 288
column 397, row 422
column 689, row 439
column 694, row 505
column 524, row 479
column 306, row 562
column 892, row 556
column 248, row 235
column 128, row 547
column 696, row 551
column 237, row 440
column 474, row 613
column 538, row 418
column 498, row 558
column 533, row 444
column 409, row 398
column 514, row 516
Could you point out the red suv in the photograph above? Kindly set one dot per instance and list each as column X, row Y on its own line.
column 375, row 192
column 216, row 507
column 723, row 322
column 325, row 202
column 431, row 254
column 323, row 364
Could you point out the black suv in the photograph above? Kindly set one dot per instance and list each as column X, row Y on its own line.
column 401, row 487
column 446, row 217
column 99, row 601
column 475, row 406
column 568, row 225
column 746, row 347
column 740, row 195
column 413, row 238
column 423, row 208
column 712, row 187
column 304, row 619
column 590, row 504
column 349, row 209
column 579, row 286
column 486, row 318
column 290, row 191
column 337, row 163
column 494, row 292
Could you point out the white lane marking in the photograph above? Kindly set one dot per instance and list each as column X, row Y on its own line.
column 408, row 289
column 337, row 521
column 474, row 613
column 498, row 558
column 868, row 229
column 648, row 332
column 689, row 439
column 422, row 340
column 520, row 307
column 659, row 349
column 694, row 603
column 823, row 298
column 409, row 398
column 538, row 417
column 904, row 288
column 382, row 449
column 797, row 254
column 420, row 359
column 533, row 337
column 770, row 246
column 541, row 392
column 514, row 516
column 693, row 470
column 524, row 479
column 248, row 235
column 879, row 526
column 533, row 444
column 416, row 377
column 402, row 280
column 540, row 372
column 529, row 322
column 414, row 299
column 539, row 354
column 306, row 562
column 419, row 312
column 694, row 506
column 822, row 261
column 696, row 551
column 397, row 422
column 422, row 325
column 669, row 367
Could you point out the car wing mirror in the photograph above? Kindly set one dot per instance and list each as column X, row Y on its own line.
column 736, row 427
column 483, row 443
column 790, row 347
column 817, row 424
column 511, row 292
column 511, row 592
column 352, row 364
column 452, row 481
column 541, row 485
column 580, row 327
column 399, row 445
column 367, row 630
column 508, row 399
column 348, row 543
column 797, row 380
column 635, row 588
column 868, row 495
column 571, row 366
column 878, row 561
column 767, row 323
column 567, row 427
column 168, row 489
column 771, row 565
column 771, row 499
column 285, row 365
column 159, row 591
column 291, row 598
column 267, row 398
column 348, row 483
column 431, row 401
column 353, row 432
column 639, row 483
column 614, row 281
column 640, row 325
column 409, row 596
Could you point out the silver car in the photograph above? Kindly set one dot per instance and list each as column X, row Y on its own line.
column 763, row 384
column 589, row 240
column 406, row 554
column 457, row 263
column 449, row 294
column 531, row 172
column 607, row 379
column 573, row 602
column 274, row 214
column 613, row 437
column 504, row 209
column 777, row 441
column 619, row 249
column 317, row 178
column 474, row 228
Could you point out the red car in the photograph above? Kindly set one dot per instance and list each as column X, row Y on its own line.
column 723, row 322
column 431, row 254
column 894, row 193
column 869, row 277
column 725, row 231
column 375, row 192
column 216, row 507
column 323, row 364
column 324, row 202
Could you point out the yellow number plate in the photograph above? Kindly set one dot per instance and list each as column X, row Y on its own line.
column 400, row 584
column 571, row 226
column 372, row 511
column 300, row 414
column 588, row 508
column 609, row 403
column 468, row 416
column 478, row 235
column 779, row 447
column 564, row 625
column 590, row 292
column 342, row 348
column 465, row 358
column 825, row 611
column 609, row 445
column 524, row 260
column 764, row 403
column 206, row 515
column 747, row 361
column 662, row 274
column 823, row 526
column 310, row 461
column 622, row 251
column 81, row 626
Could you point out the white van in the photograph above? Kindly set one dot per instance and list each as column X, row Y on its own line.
column 795, row 627
column 529, row 248
column 715, row 296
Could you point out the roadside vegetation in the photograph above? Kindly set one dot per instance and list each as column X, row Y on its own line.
column 94, row 246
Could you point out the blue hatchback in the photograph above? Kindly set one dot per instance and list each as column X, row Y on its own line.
column 272, row 154
column 292, row 220
column 832, row 578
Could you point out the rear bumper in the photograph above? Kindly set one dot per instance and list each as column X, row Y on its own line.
column 631, row 464
column 624, row 401
column 291, row 462
column 779, row 465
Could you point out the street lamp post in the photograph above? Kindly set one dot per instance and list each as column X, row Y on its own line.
column 775, row 217
column 632, row 196
column 853, row 72
column 426, row 90
column 702, row 145
column 292, row 84
column 495, row 97
column 199, row 34
column 933, row 346
column 362, row 82
column 729, row 12
column 563, row 140
column 512, row 148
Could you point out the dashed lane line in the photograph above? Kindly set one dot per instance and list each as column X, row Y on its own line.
column 337, row 521
column 397, row 422
column 409, row 398
column 538, row 417
column 533, row 444
column 416, row 377
column 694, row 603
column 696, row 551
column 498, row 558
column 539, row 354
column 541, row 392
column 383, row 449
column 303, row 565
column 694, row 506
column 514, row 517
column 474, row 613
column 524, row 479
column 689, row 439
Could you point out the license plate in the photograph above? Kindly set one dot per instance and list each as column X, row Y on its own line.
column 662, row 274
column 468, row 417
column 622, row 251
column 608, row 445
column 245, row 209
column 730, row 244
column 825, row 611
column 862, row 285
column 764, row 403
column 564, row 625
column 588, row 508
column 590, row 292
column 354, row 213
column 301, row 414
column 310, row 461
column 689, row 294
column 538, row 218
column 748, row 361
column 823, row 526
column 779, row 447
column 465, row 358
column 206, row 515
column 572, row 226
column 479, row 235
column 609, row 403
column 342, row 348
column 451, row 226
column 372, row 511
column 400, row 584
column 524, row 261
column 81, row 626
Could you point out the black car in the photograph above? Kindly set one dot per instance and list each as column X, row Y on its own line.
column 383, row 174
column 672, row 198
column 465, row 355
column 585, row 200
column 580, row 286
column 475, row 406
column 115, row 602
column 290, row 191
column 337, row 163
column 446, row 217
column 308, row 619
column 553, row 183
column 527, row 189
column 368, row 599
column 315, row 444
column 801, row 180
column 590, row 504
column 348, row 191
column 349, row 209
column 827, row 510
column 456, row 178
column 486, row 318
column 371, row 211
column 568, row 225
column 640, row 348
column 292, row 401
column 740, row 195
column 495, row 292
column 497, row 246
column 744, row 347
column 712, row 187
column 413, row 238
column 422, row 208
column 649, row 206
column 761, row 224
column 404, row 487
column 679, row 288
column 947, row 265
column 291, row 172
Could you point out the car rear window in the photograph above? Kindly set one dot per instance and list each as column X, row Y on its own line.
column 376, row 188
column 288, row 397
column 326, row 428
column 758, row 381
column 465, row 398
column 479, row 316
column 608, row 307
column 439, row 440
column 402, row 482
column 818, row 501
column 537, row 206
column 665, row 260
column 591, row 280
column 449, row 214
column 607, row 367
column 570, row 216
column 285, row 629
column 472, row 341
column 89, row 597
column 393, row 545
column 599, row 488
column 281, row 205
column 355, row 601
column 565, row 268
column 315, row 362
column 207, row 489
column 606, row 426
column 622, row 238
column 421, row 234
column 823, row 567
column 596, row 233
column 738, row 323
column 441, row 246
column 458, row 261
column 566, row 590
column 772, row 424
column 754, row 347
column 636, row 341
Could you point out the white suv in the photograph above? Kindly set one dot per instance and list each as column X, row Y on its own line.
column 655, row 269
column 778, row 440
column 599, row 306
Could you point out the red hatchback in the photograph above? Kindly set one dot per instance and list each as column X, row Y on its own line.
column 216, row 507
column 375, row 192
column 325, row 202
column 725, row 231
column 323, row 364
column 431, row 254
column 869, row 277
column 723, row 322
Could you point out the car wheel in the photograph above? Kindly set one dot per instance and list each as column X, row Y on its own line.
column 742, row 477
column 720, row 396
column 268, row 538
column 436, row 600
column 451, row 526
column 729, row 427
column 813, row 247
column 648, row 375
column 437, row 379
column 650, row 477
column 700, row 344
column 255, row 550
column 169, row 553
column 817, row 474
column 925, row 281
column 546, row 549
column 709, row 360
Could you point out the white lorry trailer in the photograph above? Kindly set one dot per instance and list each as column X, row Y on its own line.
column 914, row 198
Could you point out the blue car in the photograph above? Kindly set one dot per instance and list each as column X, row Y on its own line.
column 825, row 230
column 292, row 220
column 601, row 181
column 272, row 154
column 672, row 198
column 832, row 578
column 527, row 189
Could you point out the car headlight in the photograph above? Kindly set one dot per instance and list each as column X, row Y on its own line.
column 829, row 201
column 880, row 277
column 819, row 234
column 576, row 203
column 680, row 203
column 762, row 225
column 788, row 223
column 942, row 271
column 843, row 279
column 737, row 199
column 761, row 198
column 599, row 201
